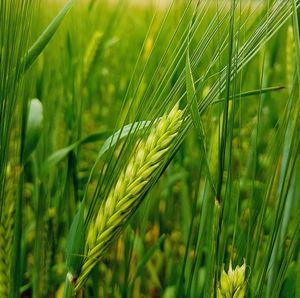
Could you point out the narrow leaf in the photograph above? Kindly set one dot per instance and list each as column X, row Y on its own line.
column 74, row 248
column 42, row 41
column 251, row 93
column 121, row 133
column 60, row 154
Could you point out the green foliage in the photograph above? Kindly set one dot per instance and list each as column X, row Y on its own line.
column 105, row 73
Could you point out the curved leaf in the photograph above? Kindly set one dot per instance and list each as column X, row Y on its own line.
column 37, row 48
column 121, row 133
column 60, row 154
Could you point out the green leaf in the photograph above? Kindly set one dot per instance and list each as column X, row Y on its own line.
column 74, row 250
column 42, row 41
column 289, row 285
column 75, row 242
column 121, row 133
column 250, row 93
column 34, row 127
column 60, row 154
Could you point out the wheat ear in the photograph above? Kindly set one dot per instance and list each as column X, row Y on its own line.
column 6, row 231
column 232, row 283
column 90, row 54
column 128, row 192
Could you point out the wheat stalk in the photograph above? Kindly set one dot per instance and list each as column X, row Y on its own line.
column 128, row 192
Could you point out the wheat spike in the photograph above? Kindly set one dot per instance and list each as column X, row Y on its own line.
column 127, row 193
column 232, row 283
column 6, row 231
column 90, row 54
column 4, row 273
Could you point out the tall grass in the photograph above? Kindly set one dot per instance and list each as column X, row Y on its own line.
column 102, row 79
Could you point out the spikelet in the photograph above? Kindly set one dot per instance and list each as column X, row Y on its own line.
column 233, row 283
column 90, row 54
column 6, row 230
column 127, row 193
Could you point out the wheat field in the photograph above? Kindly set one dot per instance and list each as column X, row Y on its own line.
column 149, row 148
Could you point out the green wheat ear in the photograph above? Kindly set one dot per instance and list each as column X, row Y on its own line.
column 128, row 192
column 90, row 54
column 6, row 229
column 233, row 283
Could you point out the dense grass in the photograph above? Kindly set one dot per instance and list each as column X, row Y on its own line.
column 226, row 190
